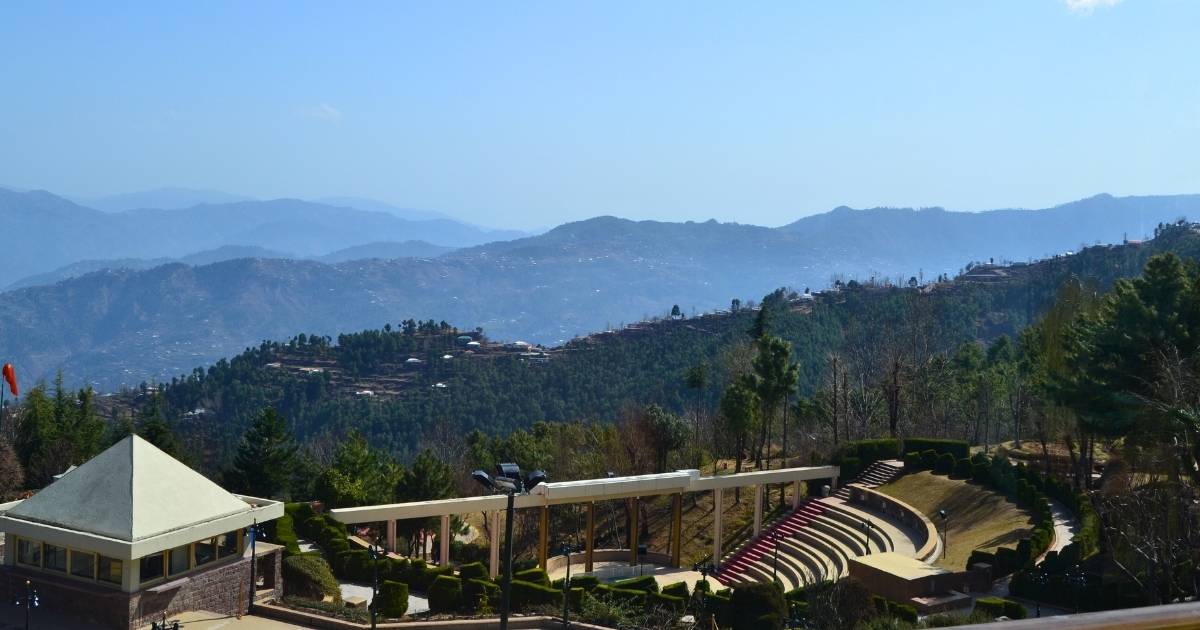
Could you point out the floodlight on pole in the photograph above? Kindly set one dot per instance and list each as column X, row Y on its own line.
column 945, row 516
column 509, row 481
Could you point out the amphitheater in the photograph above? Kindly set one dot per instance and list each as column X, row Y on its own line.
column 816, row 540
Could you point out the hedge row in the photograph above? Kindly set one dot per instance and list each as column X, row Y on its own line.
column 308, row 576
column 996, row 607
column 904, row 612
column 854, row 457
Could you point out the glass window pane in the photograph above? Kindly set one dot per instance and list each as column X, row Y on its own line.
column 179, row 560
column 152, row 567
column 29, row 552
column 56, row 558
column 110, row 569
column 227, row 543
column 206, row 552
column 83, row 564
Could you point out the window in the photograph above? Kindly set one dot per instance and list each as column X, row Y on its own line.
column 55, row 558
column 180, row 560
column 152, row 567
column 83, row 564
column 227, row 544
column 29, row 552
column 206, row 551
column 110, row 569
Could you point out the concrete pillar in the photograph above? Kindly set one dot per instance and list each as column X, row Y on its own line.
column 590, row 539
column 676, row 529
column 833, row 484
column 795, row 495
column 494, row 547
column 444, row 539
column 758, row 503
column 543, row 535
column 633, row 531
column 717, row 526
column 131, row 575
column 10, row 546
column 391, row 536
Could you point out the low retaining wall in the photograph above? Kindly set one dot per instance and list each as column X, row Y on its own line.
column 910, row 516
column 312, row 620
column 556, row 563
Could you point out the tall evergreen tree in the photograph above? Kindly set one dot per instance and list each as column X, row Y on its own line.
column 265, row 458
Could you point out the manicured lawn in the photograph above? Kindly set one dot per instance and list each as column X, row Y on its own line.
column 979, row 518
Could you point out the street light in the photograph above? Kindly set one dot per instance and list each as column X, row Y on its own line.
column 945, row 516
column 566, row 549
column 508, row 480
column 253, row 533
column 704, row 569
column 30, row 601
column 866, row 526
column 376, row 551
column 774, row 535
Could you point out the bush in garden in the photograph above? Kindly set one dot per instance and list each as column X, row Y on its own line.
column 393, row 599
column 958, row 448
column 643, row 583
column 944, row 465
column 754, row 601
column 928, row 459
column 962, row 469
column 904, row 612
column 446, row 594
column 535, row 575
column 309, row 577
column 677, row 589
column 472, row 570
column 528, row 594
column 475, row 589
column 912, row 462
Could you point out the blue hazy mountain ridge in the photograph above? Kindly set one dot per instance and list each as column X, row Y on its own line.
column 55, row 232
column 169, row 198
column 129, row 325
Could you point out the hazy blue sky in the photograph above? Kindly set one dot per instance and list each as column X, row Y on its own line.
column 530, row 114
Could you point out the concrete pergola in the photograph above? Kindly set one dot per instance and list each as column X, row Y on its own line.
column 589, row 492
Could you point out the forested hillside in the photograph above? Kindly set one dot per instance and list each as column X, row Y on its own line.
column 411, row 384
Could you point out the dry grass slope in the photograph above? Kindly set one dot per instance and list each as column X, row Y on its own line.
column 979, row 518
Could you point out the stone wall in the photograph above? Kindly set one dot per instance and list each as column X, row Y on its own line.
column 223, row 589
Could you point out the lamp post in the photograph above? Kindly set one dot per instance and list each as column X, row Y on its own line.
column 30, row 601
column 253, row 532
column 704, row 569
column 866, row 526
column 945, row 516
column 774, row 534
column 1077, row 579
column 566, row 549
column 376, row 551
column 508, row 480
column 1038, row 578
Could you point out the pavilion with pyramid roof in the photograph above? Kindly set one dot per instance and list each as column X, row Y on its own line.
column 132, row 534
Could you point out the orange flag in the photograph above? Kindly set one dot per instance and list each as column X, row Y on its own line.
column 10, row 377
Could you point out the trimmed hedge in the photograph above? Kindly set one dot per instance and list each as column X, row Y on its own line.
column 854, row 457
column 677, row 589
column 929, row 458
column 309, row 577
column 475, row 589
column 944, row 465
column 472, row 571
column 528, row 594
column 285, row 532
column 912, row 462
column 535, row 575
column 962, row 469
column 995, row 607
column 645, row 583
column 622, row 595
column 445, row 594
column 393, row 599
column 958, row 448
column 756, row 604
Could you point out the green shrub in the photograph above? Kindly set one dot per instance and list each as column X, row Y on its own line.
column 981, row 473
column 849, row 466
column 309, row 576
column 880, row 604
column 586, row 582
column 622, row 595
column 285, row 534
column 962, row 469
column 476, row 588
column 751, row 602
column 944, row 465
column 721, row 606
column 904, row 612
column 995, row 607
column 525, row 595
column 928, row 459
column 393, row 599
column 981, row 556
column 535, row 575
column 912, row 462
column 666, row 601
column 446, row 594
column 958, row 448
column 645, row 583
column 396, row 569
column 677, row 589
column 472, row 570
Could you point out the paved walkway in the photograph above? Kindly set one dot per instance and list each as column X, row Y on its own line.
column 1065, row 526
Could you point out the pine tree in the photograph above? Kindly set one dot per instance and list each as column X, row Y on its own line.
column 263, row 464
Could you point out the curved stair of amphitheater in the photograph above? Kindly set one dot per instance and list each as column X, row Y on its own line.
column 815, row 541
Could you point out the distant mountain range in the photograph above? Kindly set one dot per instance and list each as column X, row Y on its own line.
column 116, row 327
column 46, row 232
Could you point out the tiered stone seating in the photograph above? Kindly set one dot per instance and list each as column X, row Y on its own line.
column 815, row 542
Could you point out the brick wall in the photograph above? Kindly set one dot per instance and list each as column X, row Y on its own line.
column 222, row 589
